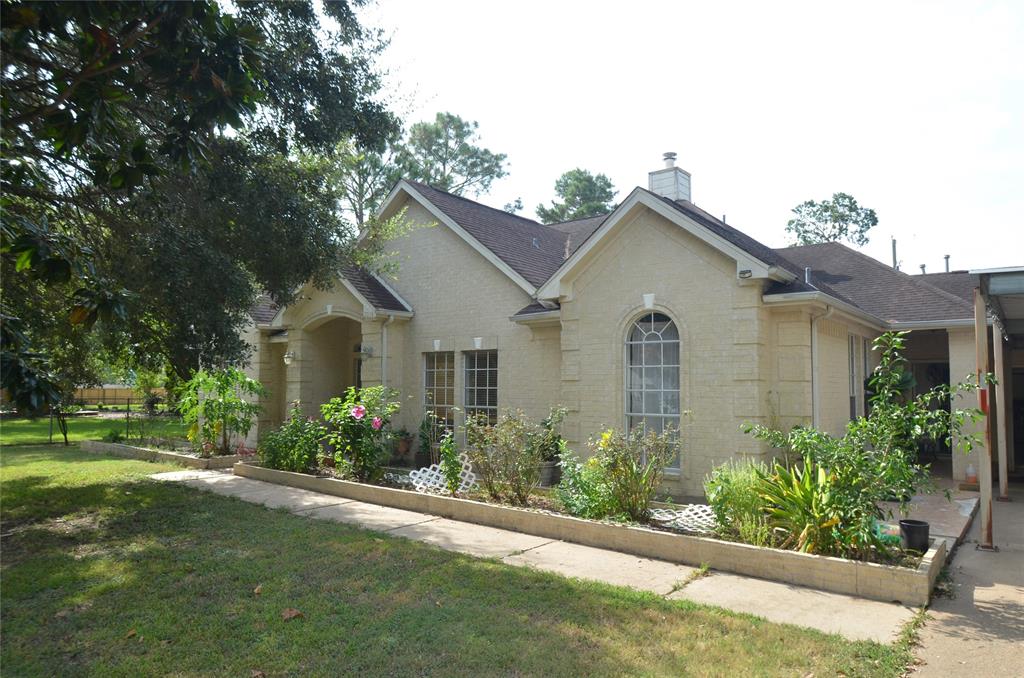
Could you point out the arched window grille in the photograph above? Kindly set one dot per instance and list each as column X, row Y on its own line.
column 652, row 374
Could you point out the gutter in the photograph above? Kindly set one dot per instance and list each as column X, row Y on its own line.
column 827, row 300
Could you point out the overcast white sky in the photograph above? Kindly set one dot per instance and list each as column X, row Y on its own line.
column 916, row 109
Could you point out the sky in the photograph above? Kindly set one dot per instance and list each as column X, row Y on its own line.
column 914, row 108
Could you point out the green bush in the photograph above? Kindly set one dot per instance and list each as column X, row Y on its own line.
column 216, row 405
column 621, row 477
column 583, row 489
column 506, row 456
column 734, row 492
column 451, row 465
column 294, row 446
column 357, row 429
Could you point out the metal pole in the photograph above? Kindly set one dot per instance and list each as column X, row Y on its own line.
column 1002, row 412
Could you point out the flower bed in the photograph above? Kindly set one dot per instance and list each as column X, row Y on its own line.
column 868, row 580
column 151, row 454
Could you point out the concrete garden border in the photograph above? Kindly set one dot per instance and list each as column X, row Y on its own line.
column 867, row 580
column 149, row 454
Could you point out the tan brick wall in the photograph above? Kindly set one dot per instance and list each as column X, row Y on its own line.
column 962, row 364
column 457, row 295
column 724, row 330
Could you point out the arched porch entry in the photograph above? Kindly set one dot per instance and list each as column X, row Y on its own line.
column 324, row 361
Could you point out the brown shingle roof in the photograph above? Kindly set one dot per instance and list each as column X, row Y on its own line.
column 532, row 250
column 371, row 288
column 264, row 310
column 958, row 283
column 888, row 294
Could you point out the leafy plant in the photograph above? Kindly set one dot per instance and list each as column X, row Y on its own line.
column 216, row 405
column 451, row 465
column 635, row 464
column 294, row 446
column 584, row 489
column 506, row 456
column 734, row 492
column 357, row 430
column 114, row 435
column 428, row 436
column 548, row 439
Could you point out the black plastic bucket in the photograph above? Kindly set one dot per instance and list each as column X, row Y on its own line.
column 914, row 535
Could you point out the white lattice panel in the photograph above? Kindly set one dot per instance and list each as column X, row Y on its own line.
column 431, row 479
column 692, row 518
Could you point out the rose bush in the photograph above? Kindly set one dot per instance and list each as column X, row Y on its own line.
column 356, row 430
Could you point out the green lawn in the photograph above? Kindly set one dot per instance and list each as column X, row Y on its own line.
column 107, row 573
column 23, row 431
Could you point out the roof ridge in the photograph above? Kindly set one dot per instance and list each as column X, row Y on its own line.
column 572, row 221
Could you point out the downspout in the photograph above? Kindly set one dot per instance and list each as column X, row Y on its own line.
column 384, row 350
column 815, row 361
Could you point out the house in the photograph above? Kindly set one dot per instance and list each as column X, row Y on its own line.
column 657, row 312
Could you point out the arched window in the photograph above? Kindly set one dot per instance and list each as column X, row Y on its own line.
column 652, row 377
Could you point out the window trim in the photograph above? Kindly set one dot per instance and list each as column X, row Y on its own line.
column 449, row 407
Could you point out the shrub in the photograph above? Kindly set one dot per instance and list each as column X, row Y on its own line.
column 114, row 435
column 216, row 407
column 294, row 446
column 635, row 464
column 584, row 490
column 734, row 492
column 357, row 429
column 549, row 440
column 506, row 456
column 451, row 465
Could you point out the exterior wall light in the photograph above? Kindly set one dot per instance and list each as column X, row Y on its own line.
column 288, row 358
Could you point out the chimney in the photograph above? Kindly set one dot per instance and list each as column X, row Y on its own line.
column 670, row 182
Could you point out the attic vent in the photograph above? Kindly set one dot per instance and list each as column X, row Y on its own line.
column 536, row 243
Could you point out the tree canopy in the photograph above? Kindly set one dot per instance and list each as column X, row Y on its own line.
column 444, row 154
column 840, row 218
column 141, row 140
column 582, row 195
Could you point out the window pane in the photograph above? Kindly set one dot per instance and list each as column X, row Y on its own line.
column 671, row 402
column 652, row 402
column 636, row 401
column 652, row 377
column 671, row 378
column 652, row 353
column 671, row 352
column 636, row 375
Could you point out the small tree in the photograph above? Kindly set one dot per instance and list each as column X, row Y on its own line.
column 583, row 195
column 840, row 218
column 216, row 406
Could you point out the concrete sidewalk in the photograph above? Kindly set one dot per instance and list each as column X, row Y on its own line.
column 853, row 618
column 980, row 630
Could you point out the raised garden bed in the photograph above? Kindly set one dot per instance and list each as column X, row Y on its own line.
column 151, row 454
column 868, row 580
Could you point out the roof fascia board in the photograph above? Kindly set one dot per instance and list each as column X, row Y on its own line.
column 553, row 288
column 369, row 310
column 821, row 297
column 462, row 233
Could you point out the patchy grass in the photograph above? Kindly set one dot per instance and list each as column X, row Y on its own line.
column 22, row 431
column 107, row 573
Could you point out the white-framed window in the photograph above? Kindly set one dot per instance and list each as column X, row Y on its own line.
column 652, row 375
column 481, row 389
column 439, row 390
column 852, row 355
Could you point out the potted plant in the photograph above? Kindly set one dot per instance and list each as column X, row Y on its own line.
column 403, row 445
column 551, row 445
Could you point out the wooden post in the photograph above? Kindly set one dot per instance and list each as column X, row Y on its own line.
column 985, row 458
column 1003, row 414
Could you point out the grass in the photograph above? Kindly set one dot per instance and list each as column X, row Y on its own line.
column 22, row 431
column 107, row 573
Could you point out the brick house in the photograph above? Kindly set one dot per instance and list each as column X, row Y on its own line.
column 657, row 313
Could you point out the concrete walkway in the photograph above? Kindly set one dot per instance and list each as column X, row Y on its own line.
column 980, row 630
column 853, row 618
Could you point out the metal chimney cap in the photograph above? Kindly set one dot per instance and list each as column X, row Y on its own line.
column 670, row 158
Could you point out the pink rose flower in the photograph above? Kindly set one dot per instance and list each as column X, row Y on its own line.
column 377, row 423
column 358, row 412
